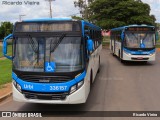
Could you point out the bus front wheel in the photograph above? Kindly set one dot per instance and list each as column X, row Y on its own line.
column 119, row 55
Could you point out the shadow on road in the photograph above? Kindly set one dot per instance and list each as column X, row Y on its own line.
column 138, row 63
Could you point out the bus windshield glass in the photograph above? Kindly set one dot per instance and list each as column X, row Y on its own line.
column 31, row 53
column 136, row 39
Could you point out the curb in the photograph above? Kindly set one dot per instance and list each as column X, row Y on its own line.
column 2, row 98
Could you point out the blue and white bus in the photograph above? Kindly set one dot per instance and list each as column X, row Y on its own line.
column 134, row 43
column 55, row 61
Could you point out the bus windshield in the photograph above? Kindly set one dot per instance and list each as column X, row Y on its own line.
column 31, row 53
column 135, row 39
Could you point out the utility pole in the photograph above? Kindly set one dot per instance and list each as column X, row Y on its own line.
column 50, row 5
column 20, row 17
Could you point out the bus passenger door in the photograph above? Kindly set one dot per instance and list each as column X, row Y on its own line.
column 95, row 58
column 91, row 55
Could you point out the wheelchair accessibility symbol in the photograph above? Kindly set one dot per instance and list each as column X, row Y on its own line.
column 50, row 66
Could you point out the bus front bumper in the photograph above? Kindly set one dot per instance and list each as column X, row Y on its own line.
column 129, row 57
column 77, row 97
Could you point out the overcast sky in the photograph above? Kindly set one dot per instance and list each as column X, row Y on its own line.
column 61, row 8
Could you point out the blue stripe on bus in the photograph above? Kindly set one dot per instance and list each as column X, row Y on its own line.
column 139, row 52
column 48, row 87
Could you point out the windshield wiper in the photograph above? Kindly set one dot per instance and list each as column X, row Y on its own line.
column 32, row 43
column 145, row 36
column 53, row 47
column 34, row 47
column 135, row 36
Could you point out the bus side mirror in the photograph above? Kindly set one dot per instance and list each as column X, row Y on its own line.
column 90, row 45
column 157, row 38
column 122, row 36
column 5, row 46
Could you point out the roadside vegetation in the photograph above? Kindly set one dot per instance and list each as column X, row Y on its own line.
column 5, row 67
column 5, row 71
column 9, row 50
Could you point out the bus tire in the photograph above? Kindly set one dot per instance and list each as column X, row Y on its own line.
column 99, row 65
column 119, row 55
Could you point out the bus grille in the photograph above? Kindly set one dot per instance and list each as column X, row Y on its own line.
column 45, row 79
column 45, row 96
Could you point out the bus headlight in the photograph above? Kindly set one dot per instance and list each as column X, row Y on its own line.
column 76, row 86
column 17, row 86
column 14, row 83
column 73, row 89
column 80, row 84
column 127, row 53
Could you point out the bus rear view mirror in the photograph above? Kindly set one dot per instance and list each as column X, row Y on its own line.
column 122, row 35
column 90, row 45
column 7, row 44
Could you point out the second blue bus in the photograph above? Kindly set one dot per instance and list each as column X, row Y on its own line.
column 134, row 43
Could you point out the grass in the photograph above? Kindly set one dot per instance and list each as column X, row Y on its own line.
column 5, row 71
column 157, row 46
column 9, row 50
column 1, row 54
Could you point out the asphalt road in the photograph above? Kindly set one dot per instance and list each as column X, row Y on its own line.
column 118, row 87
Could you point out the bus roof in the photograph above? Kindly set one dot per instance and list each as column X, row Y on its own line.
column 121, row 28
column 62, row 19
column 47, row 20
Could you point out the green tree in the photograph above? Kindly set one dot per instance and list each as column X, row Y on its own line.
column 5, row 29
column 77, row 18
column 114, row 13
column 83, row 6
